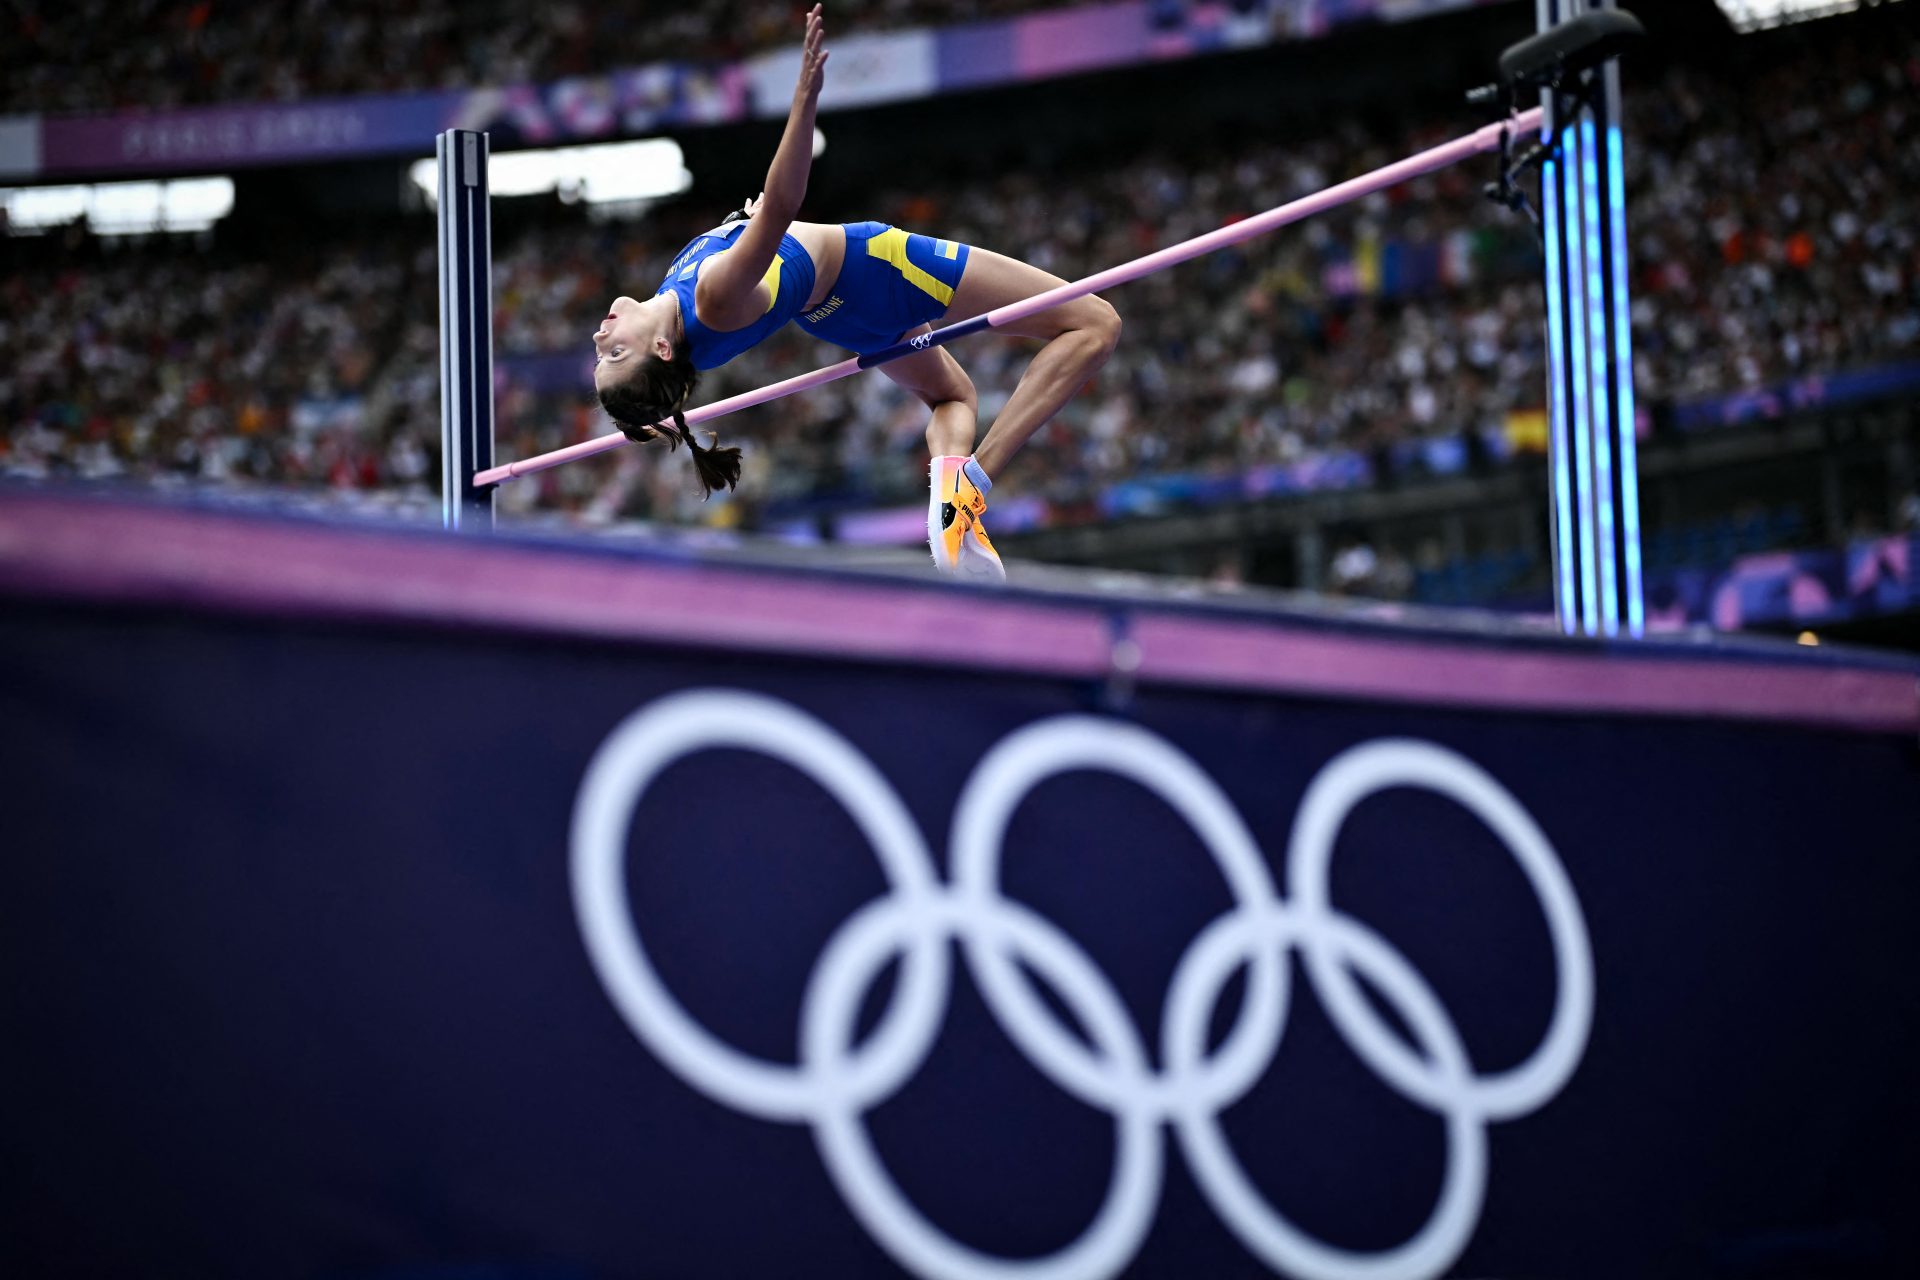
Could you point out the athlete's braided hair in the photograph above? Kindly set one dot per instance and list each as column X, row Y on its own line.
column 649, row 404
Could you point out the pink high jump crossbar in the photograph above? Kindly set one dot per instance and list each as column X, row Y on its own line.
column 1481, row 141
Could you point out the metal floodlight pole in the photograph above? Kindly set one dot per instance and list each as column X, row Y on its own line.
column 466, row 330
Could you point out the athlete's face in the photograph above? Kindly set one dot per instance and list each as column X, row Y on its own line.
column 631, row 330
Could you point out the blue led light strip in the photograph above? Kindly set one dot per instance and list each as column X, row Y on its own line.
column 1623, row 383
column 1563, row 536
column 1582, row 433
column 1598, row 357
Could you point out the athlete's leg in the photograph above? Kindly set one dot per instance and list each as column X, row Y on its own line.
column 959, row 543
column 1080, row 335
column 944, row 387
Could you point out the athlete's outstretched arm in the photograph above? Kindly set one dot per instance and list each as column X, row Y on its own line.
column 730, row 293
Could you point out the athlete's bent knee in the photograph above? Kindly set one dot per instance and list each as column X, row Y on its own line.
column 1105, row 323
column 960, row 392
column 951, row 385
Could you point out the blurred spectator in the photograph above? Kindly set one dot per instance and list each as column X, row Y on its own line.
column 1353, row 569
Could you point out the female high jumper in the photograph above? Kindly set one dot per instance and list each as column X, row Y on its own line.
column 864, row 286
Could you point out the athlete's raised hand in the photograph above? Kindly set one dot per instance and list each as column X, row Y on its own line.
column 732, row 292
column 813, row 61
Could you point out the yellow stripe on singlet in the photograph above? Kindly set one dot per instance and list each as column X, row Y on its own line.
column 772, row 281
column 891, row 245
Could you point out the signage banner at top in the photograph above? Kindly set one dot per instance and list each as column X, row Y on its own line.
column 870, row 70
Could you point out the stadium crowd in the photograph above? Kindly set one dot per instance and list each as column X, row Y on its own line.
column 59, row 56
column 1414, row 317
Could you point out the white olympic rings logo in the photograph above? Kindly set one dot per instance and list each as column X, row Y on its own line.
column 835, row 1082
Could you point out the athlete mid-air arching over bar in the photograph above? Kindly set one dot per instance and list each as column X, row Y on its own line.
column 865, row 286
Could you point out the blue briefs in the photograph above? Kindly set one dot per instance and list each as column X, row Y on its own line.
column 891, row 282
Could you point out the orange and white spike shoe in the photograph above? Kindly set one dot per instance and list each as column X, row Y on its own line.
column 978, row 559
column 954, row 532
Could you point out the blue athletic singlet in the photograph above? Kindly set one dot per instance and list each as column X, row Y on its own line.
column 891, row 282
column 789, row 277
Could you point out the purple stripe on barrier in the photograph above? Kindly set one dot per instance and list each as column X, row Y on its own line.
column 96, row 551
column 154, row 555
column 1435, row 673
